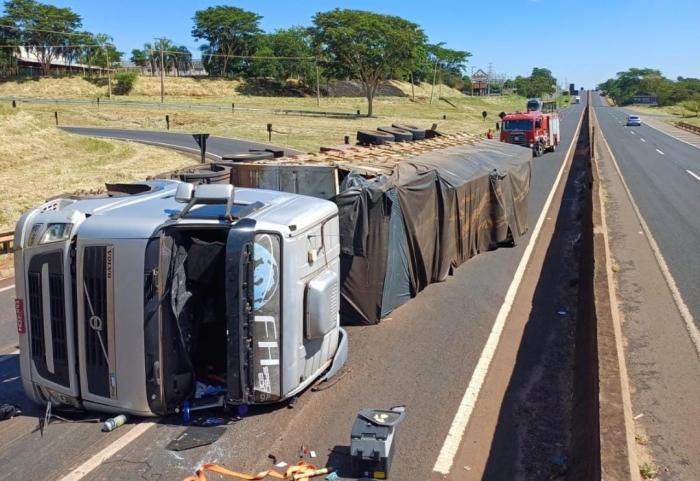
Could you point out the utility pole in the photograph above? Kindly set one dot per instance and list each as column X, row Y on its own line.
column 318, row 84
column 109, row 73
column 162, row 71
column 488, row 80
column 432, row 90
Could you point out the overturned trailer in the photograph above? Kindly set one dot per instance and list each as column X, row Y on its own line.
column 407, row 219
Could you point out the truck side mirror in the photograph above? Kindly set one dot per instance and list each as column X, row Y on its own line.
column 538, row 124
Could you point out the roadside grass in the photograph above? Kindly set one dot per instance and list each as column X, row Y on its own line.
column 39, row 161
column 304, row 133
column 185, row 87
column 648, row 470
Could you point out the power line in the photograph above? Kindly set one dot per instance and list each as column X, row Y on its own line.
column 30, row 29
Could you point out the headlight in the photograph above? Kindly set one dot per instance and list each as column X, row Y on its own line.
column 34, row 234
column 56, row 232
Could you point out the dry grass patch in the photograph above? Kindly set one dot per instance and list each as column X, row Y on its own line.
column 54, row 87
column 148, row 86
column 39, row 161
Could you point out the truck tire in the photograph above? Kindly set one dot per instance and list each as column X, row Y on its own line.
column 245, row 157
column 373, row 137
column 206, row 174
column 400, row 135
column 418, row 133
column 538, row 149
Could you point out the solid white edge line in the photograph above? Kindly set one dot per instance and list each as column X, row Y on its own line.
column 690, row 325
column 88, row 466
column 449, row 449
column 642, row 140
column 7, row 288
column 693, row 174
column 660, row 152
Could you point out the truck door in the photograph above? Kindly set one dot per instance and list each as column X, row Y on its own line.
column 48, row 306
column 253, row 304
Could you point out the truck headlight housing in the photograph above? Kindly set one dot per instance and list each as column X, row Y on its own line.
column 34, row 234
column 56, row 232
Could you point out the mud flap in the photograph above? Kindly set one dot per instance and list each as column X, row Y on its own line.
column 341, row 356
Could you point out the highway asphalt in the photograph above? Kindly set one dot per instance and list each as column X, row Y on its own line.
column 216, row 146
column 422, row 356
column 663, row 175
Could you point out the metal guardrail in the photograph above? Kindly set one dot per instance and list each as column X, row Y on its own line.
column 7, row 239
column 689, row 127
column 98, row 102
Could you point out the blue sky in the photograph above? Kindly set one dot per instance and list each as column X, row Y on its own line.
column 583, row 41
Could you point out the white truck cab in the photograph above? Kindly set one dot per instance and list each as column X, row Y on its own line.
column 125, row 302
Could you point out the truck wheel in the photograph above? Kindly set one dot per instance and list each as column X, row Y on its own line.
column 418, row 133
column 401, row 135
column 245, row 157
column 373, row 137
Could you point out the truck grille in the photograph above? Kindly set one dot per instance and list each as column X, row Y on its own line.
column 518, row 139
column 48, row 349
column 95, row 319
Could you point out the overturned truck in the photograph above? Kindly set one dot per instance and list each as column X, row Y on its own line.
column 407, row 220
column 133, row 300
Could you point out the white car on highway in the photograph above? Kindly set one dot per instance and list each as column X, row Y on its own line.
column 634, row 121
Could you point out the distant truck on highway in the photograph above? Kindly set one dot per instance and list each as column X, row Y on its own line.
column 577, row 99
column 135, row 301
column 533, row 129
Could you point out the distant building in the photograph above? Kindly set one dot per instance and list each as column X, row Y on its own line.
column 645, row 99
column 480, row 83
column 28, row 61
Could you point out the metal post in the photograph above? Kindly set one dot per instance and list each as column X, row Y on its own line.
column 55, row 114
column 98, row 103
column 14, row 104
column 167, row 122
column 269, row 132
column 233, row 107
column 347, row 139
column 162, row 72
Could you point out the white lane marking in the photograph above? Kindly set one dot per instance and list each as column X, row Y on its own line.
column 660, row 152
column 642, row 139
column 7, row 288
column 690, row 325
column 443, row 464
column 632, row 132
column 697, row 177
column 88, row 466
column 7, row 357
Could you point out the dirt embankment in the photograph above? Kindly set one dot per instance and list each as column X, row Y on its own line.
column 205, row 87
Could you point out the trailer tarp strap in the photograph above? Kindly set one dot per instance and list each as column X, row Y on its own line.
column 301, row 471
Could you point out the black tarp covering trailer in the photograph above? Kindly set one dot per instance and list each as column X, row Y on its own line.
column 416, row 222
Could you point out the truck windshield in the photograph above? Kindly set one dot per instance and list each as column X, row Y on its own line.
column 517, row 125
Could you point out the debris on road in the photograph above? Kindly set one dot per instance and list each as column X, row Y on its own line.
column 371, row 441
column 113, row 423
column 8, row 411
column 196, row 436
column 301, row 471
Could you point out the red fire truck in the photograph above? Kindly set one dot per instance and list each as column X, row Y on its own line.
column 531, row 129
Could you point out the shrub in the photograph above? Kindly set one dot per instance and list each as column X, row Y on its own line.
column 125, row 82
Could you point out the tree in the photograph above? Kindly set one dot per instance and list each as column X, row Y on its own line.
column 539, row 83
column 293, row 42
column 46, row 29
column 368, row 46
column 450, row 64
column 230, row 32
column 141, row 58
column 8, row 36
column 182, row 59
column 693, row 104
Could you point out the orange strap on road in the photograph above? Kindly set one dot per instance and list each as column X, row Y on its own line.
column 302, row 471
